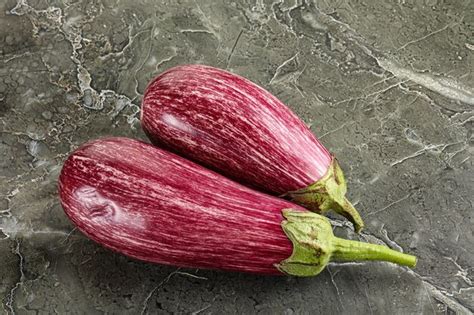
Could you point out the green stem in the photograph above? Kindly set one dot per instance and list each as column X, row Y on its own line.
column 327, row 194
column 346, row 209
column 314, row 246
column 347, row 250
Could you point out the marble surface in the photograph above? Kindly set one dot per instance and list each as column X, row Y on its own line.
column 387, row 86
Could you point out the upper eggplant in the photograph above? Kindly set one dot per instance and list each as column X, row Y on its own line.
column 231, row 125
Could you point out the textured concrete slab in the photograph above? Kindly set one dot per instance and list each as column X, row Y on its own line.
column 388, row 86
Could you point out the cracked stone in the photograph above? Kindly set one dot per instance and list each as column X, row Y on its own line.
column 394, row 107
column 47, row 115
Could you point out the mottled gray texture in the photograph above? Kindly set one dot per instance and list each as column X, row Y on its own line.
column 387, row 86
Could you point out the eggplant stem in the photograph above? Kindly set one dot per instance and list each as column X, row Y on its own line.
column 348, row 250
column 347, row 210
column 314, row 246
column 327, row 194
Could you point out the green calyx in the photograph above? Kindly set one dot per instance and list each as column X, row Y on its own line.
column 314, row 246
column 328, row 193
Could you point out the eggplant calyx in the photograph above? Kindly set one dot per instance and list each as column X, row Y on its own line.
column 314, row 246
column 328, row 193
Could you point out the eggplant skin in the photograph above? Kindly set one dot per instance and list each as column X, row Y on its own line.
column 153, row 205
column 229, row 124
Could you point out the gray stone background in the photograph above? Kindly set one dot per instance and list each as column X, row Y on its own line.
column 387, row 86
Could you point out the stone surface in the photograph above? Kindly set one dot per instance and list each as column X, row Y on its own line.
column 387, row 86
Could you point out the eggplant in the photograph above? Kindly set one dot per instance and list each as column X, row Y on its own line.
column 155, row 206
column 231, row 125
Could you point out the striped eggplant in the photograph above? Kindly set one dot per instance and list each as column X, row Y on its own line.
column 233, row 126
column 153, row 205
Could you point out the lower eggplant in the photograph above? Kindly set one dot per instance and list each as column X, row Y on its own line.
column 155, row 206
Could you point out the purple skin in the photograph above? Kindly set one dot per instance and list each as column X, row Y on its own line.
column 155, row 206
column 231, row 125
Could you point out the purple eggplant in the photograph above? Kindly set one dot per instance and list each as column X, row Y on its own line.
column 233, row 126
column 155, row 206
